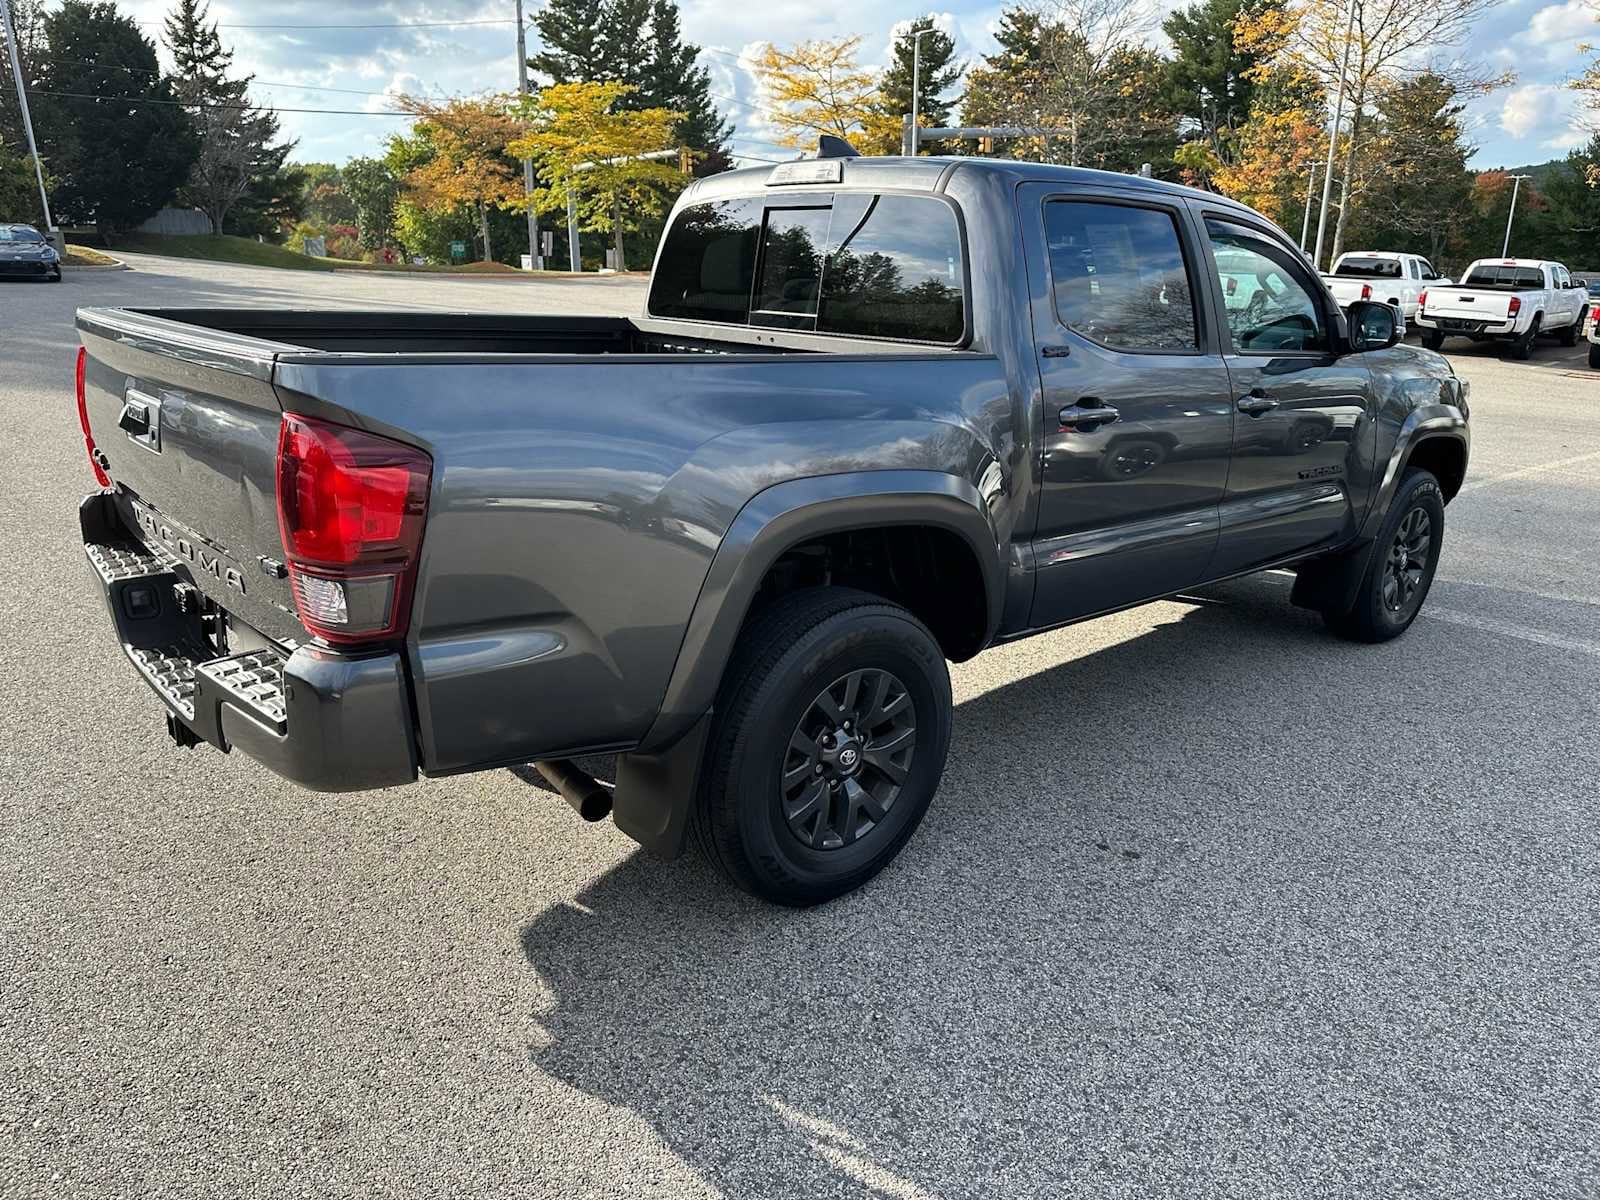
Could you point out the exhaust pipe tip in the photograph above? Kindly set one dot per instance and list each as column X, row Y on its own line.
column 590, row 798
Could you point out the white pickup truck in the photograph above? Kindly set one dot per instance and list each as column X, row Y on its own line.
column 1506, row 300
column 1397, row 280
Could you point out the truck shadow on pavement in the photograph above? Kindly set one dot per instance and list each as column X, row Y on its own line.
column 1167, row 927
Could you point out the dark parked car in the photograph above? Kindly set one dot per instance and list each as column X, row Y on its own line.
column 24, row 252
column 869, row 421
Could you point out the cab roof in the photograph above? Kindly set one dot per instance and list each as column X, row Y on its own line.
column 932, row 174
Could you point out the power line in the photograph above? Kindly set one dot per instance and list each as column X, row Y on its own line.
column 184, row 104
column 305, row 87
column 371, row 25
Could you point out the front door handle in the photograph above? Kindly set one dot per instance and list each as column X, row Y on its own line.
column 1256, row 403
column 1087, row 417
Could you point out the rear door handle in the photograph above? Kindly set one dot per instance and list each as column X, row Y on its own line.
column 1087, row 416
column 1256, row 403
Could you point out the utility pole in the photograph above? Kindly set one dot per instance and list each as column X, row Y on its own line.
column 916, row 87
column 1333, row 137
column 27, row 119
column 1305, row 221
column 534, row 256
column 1516, row 185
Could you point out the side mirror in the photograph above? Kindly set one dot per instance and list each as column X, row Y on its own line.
column 1581, row 283
column 1373, row 326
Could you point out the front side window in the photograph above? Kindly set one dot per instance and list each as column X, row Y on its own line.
column 1270, row 308
column 1119, row 276
column 855, row 264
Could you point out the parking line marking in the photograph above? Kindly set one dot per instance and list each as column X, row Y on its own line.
column 1527, row 471
column 1488, row 625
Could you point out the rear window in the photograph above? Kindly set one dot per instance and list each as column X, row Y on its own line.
column 867, row 265
column 1505, row 278
column 1369, row 268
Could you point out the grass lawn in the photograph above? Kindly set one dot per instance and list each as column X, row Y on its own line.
column 222, row 248
column 83, row 256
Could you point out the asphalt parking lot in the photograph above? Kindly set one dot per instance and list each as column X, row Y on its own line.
column 1210, row 903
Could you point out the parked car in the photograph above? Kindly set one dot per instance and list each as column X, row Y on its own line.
column 1391, row 278
column 24, row 252
column 867, row 422
column 1511, row 300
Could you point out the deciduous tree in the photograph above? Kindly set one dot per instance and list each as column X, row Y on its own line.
column 373, row 191
column 817, row 87
column 582, row 138
column 466, row 164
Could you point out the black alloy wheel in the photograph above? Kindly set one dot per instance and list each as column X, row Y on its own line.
column 1407, row 561
column 848, row 759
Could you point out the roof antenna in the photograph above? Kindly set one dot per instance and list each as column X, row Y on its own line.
column 829, row 146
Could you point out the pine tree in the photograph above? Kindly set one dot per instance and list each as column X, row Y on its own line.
column 638, row 43
column 1209, row 79
column 938, row 74
column 673, row 79
column 196, row 49
column 573, row 33
column 237, row 155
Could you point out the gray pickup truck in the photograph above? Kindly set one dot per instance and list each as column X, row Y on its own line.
column 877, row 414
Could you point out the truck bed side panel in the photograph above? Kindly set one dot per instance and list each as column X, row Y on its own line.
column 572, row 525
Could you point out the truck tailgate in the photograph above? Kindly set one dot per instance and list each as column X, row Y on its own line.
column 187, row 420
column 1469, row 304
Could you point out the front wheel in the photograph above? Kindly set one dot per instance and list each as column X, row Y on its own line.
column 1569, row 333
column 1403, row 564
column 829, row 740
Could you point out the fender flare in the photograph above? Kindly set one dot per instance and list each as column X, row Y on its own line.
column 781, row 517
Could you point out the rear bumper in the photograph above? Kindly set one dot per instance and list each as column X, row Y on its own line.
column 331, row 722
column 1465, row 327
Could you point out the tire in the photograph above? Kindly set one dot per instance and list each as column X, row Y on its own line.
column 787, row 844
column 1594, row 355
column 1418, row 504
column 1522, row 348
column 1432, row 340
column 1569, row 333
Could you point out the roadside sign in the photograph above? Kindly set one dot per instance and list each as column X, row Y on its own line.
column 458, row 250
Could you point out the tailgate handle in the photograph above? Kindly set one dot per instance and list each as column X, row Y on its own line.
column 141, row 419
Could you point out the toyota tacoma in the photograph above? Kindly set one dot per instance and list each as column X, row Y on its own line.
column 876, row 415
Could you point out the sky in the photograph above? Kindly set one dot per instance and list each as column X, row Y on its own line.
column 381, row 48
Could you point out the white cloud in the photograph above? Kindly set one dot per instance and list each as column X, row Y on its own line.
column 1542, row 117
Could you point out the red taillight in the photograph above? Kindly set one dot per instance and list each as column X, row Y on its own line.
column 1422, row 299
column 351, row 506
column 1514, row 307
column 1366, row 291
column 80, row 377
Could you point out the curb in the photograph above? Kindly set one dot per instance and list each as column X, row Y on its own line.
column 116, row 264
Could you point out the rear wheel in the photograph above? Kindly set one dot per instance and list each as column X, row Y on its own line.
column 828, row 743
column 1594, row 355
column 1432, row 339
column 1522, row 348
column 1403, row 563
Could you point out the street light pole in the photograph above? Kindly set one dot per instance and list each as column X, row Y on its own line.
column 1333, row 137
column 1516, row 186
column 1305, row 221
column 916, row 88
column 27, row 119
column 534, row 256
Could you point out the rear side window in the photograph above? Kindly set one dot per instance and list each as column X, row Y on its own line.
column 1119, row 275
column 858, row 264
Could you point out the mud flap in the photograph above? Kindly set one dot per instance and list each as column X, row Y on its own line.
column 1330, row 585
column 655, row 792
